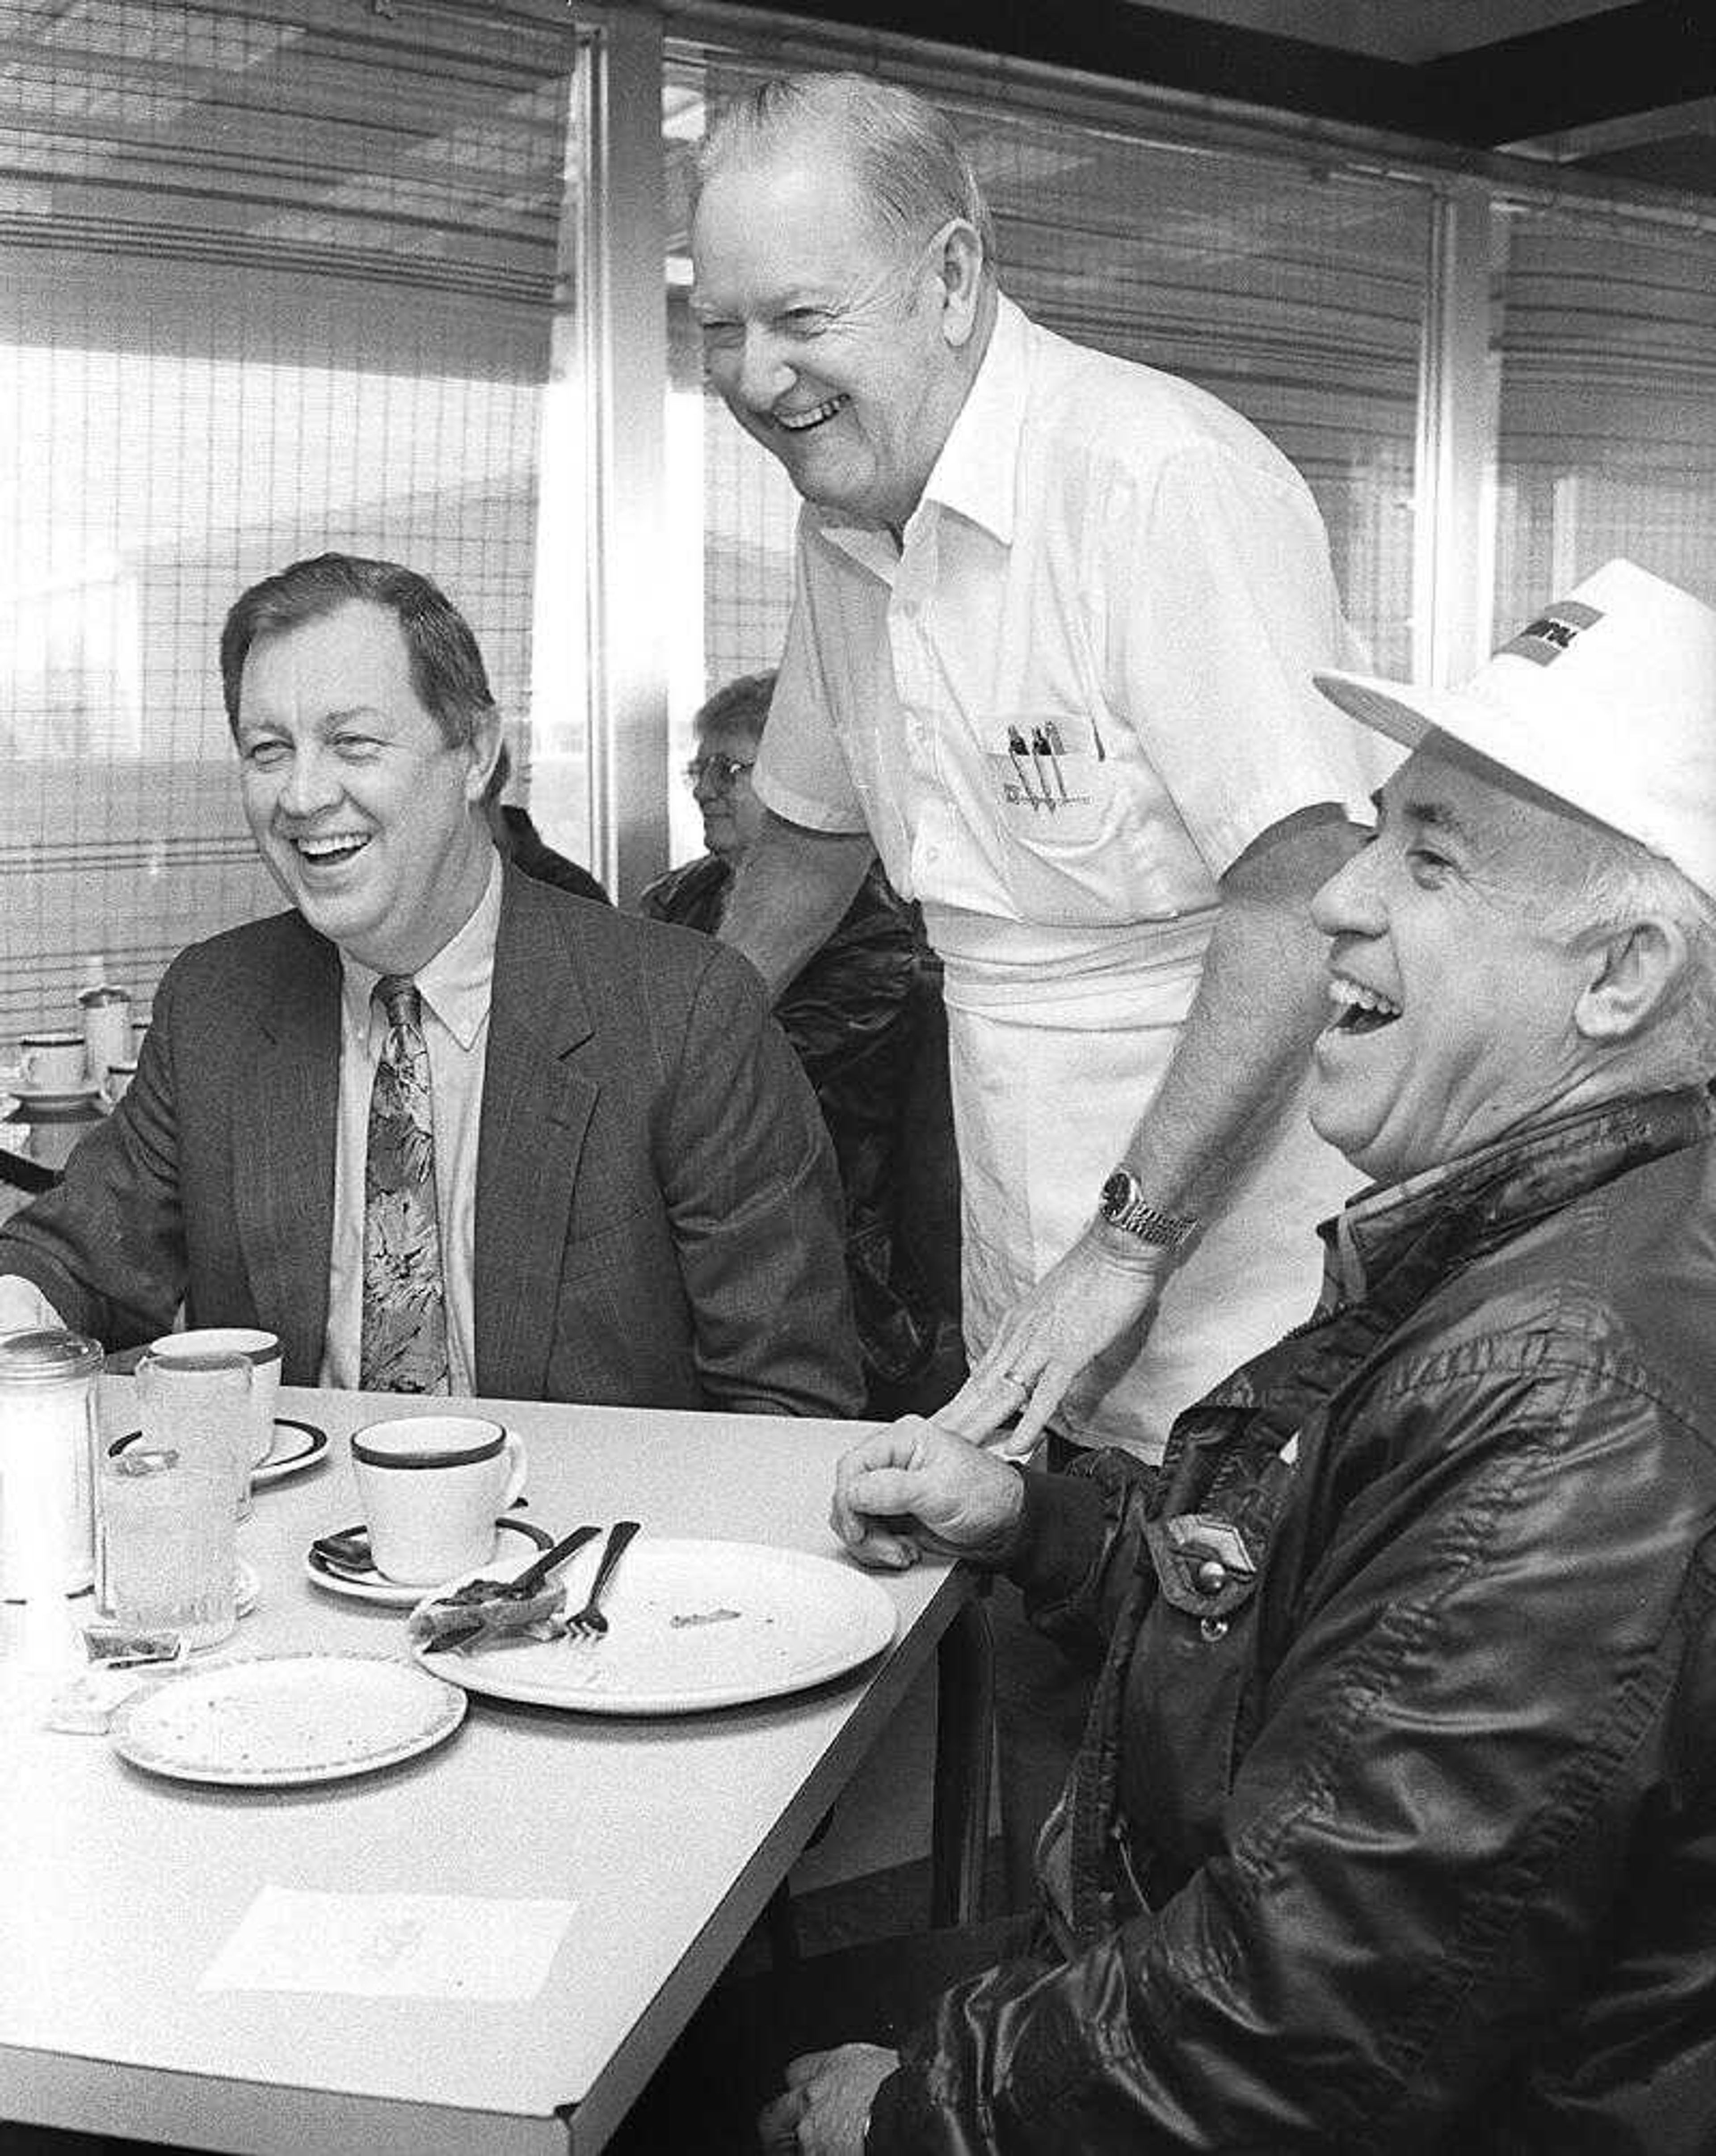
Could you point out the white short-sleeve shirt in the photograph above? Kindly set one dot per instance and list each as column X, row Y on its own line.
column 1080, row 687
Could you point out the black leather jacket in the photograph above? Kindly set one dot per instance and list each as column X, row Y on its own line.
column 1395, row 1827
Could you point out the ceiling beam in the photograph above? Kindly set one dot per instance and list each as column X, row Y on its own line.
column 1123, row 40
column 1656, row 53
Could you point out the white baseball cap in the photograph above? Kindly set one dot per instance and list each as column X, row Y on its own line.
column 1606, row 700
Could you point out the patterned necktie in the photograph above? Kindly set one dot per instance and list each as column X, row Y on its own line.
column 404, row 1302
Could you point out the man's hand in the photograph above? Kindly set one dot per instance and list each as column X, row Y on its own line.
column 1103, row 1289
column 827, row 2105
column 915, row 1485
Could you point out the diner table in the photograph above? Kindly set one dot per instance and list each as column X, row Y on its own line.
column 122, row 2008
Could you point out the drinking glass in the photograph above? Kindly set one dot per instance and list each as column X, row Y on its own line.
column 198, row 1405
column 168, row 1539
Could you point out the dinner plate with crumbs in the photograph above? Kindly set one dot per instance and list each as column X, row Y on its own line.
column 275, row 1720
column 691, row 1626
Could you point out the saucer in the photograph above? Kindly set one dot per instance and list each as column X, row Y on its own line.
column 372, row 1586
column 55, row 1099
column 297, row 1446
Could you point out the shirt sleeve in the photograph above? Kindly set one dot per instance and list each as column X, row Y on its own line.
column 1221, row 604
column 802, row 773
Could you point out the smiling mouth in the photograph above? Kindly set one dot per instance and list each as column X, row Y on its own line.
column 801, row 422
column 1357, row 1009
column 328, row 852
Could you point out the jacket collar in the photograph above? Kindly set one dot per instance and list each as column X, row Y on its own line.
column 537, row 1103
column 1502, row 1187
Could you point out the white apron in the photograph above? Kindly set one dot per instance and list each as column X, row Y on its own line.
column 1057, row 1043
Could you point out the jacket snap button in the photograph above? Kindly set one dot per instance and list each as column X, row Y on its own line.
column 1211, row 1576
column 1214, row 1628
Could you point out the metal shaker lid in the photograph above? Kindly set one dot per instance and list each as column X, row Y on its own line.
column 47, row 1357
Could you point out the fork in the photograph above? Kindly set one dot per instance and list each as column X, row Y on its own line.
column 589, row 1623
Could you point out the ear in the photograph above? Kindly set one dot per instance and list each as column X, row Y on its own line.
column 958, row 265
column 1633, row 973
column 484, row 747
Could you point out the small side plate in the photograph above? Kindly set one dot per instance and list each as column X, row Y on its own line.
column 278, row 1720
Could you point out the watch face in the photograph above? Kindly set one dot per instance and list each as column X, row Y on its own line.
column 1116, row 1191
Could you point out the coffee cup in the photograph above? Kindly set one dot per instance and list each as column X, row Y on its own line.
column 51, row 1060
column 119, row 1078
column 431, row 1488
column 260, row 1349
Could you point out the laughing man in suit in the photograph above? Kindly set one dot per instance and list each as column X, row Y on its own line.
column 439, row 1127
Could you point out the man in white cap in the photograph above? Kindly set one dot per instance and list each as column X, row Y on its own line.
column 1394, row 1824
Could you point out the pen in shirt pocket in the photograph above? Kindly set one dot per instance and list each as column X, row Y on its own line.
column 1045, row 743
column 1015, row 749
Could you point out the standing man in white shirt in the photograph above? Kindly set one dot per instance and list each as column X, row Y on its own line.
column 1050, row 656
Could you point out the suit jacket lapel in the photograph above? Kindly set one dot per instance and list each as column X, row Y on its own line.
column 285, row 1120
column 535, row 1111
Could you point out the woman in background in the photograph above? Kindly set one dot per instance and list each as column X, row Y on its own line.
column 855, row 1015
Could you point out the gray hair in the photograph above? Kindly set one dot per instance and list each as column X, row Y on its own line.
column 908, row 160
column 1622, row 882
column 743, row 704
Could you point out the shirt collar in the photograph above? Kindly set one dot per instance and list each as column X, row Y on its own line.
column 976, row 473
column 456, row 983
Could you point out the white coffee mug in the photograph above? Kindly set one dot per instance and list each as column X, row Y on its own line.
column 431, row 1488
column 260, row 1349
column 46, row 1060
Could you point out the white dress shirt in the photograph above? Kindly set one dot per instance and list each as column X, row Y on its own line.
column 454, row 987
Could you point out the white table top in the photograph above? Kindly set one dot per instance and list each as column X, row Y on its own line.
column 667, row 1834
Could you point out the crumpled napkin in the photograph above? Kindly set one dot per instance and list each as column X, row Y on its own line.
column 483, row 1614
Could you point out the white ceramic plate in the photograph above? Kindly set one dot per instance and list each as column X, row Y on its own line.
column 691, row 1626
column 281, row 1719
column 513, row 1551
column 297, row 1446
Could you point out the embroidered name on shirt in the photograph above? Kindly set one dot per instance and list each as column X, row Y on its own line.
column 1544, row 640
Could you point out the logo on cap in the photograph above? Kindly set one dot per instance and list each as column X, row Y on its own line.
column 1544, row 640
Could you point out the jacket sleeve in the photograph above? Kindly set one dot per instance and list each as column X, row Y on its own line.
column 106, row 1245
column 1423, row 1846
column 1076, row 1547
column 755, row 1204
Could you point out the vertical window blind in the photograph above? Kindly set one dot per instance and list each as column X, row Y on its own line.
column 1605, row 332
column 273, row 280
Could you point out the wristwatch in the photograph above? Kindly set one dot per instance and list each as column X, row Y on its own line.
column 1123, row 1204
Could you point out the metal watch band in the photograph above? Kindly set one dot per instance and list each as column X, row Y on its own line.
column 1123, row 1205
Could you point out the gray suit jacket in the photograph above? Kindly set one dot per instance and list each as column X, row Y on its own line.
column 657, row 1217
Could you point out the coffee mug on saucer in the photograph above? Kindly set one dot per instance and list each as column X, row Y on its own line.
column 260, row 1349
column 51, row 1061
column 431, row 1488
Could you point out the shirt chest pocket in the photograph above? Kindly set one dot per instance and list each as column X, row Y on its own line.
column 1070, row 822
